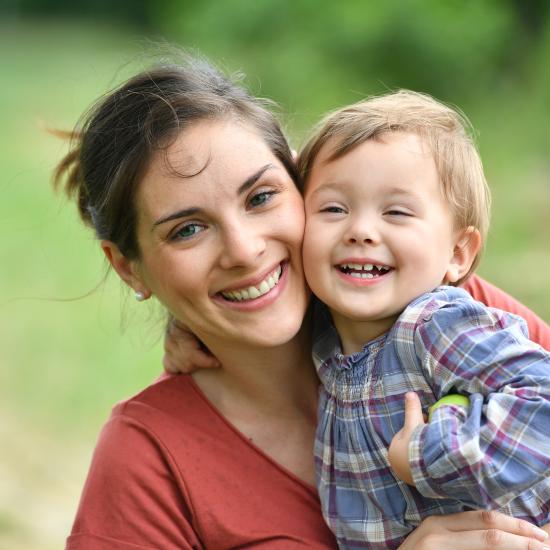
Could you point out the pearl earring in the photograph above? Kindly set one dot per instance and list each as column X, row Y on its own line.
column 139, row 296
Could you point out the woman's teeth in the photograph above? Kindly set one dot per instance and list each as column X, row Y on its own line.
column 364, row 271
column 252, row 292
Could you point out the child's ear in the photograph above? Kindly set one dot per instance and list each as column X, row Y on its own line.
column 126, row 269
column 467, row 245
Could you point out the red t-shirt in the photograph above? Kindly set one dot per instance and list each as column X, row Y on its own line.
column 169, row 472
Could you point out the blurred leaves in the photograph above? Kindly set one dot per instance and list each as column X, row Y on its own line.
column 453, row 48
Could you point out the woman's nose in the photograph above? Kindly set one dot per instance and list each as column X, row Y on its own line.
column 242, row 246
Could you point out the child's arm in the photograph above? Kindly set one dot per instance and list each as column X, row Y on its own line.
column 499, row 447
column 492, row 296
column 183, row 352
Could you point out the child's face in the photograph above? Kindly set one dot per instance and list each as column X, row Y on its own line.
column 378, row 230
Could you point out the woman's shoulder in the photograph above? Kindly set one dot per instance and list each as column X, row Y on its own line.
column 172, row 395
column 173, row 415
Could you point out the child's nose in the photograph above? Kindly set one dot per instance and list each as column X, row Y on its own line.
column 365, row 240
column 362, row 232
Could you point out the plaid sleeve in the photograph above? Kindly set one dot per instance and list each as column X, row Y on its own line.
column 486, row 455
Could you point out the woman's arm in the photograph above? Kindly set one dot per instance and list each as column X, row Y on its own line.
column 476, row 531
column 492, row 296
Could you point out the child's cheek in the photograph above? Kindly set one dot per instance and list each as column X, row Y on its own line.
column 311, row 254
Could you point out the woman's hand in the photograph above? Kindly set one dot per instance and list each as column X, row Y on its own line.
column 183, row 352
column 398, row 453
column 480, row 530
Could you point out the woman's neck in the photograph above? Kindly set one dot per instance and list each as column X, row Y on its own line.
column 270, row 396
column 268, row 379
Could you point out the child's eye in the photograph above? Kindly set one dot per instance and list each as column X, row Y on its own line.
column 398, row 212
column 187, row 231
column 261, row 198
column 333, row 209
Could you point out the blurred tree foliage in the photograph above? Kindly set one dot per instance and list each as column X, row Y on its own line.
column 452, row 48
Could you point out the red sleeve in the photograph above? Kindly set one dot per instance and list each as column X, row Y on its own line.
column 131, row 500
column 492, row 296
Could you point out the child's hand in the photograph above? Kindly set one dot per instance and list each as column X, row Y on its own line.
column 183, row 353
column 398, row 453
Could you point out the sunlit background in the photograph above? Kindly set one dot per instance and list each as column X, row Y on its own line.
column 65, row 360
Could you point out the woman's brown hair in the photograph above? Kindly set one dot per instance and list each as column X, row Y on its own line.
column 115, row 140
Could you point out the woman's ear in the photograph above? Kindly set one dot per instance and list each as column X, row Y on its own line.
column 467, row 245
column 125, row 268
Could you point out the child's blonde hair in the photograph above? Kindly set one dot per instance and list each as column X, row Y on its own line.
column 447, row 132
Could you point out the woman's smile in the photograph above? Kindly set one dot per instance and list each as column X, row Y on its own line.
column 251, row 298
column 252, row 289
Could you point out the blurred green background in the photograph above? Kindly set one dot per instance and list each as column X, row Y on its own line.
column 65, row 360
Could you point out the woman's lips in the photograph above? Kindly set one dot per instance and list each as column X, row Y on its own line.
column 264, row 297
column 251, row 292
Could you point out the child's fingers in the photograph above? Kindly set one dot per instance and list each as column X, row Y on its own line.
column 203, row 360
column 170, row 366
column 413, row 411
column 194, row 360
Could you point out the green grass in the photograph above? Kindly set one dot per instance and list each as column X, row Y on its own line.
column 65, row 361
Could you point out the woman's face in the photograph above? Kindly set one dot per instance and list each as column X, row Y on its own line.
column 221, row 247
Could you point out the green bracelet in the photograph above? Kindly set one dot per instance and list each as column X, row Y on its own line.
column 451, row 399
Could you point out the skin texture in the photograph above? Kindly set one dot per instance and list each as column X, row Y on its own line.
column 380, row 203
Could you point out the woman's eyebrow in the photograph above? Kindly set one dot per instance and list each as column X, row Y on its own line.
column 251, row 180
column 176, row 215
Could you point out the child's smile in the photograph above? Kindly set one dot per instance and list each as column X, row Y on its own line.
column 363, row 271
column 379, row 233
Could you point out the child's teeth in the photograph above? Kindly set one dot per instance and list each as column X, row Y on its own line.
column 364, row 271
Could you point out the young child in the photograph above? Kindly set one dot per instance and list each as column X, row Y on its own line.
column 397, row 206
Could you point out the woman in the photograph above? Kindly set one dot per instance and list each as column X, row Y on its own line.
column 191, row 189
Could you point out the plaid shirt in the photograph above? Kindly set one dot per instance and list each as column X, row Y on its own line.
column 483, row 457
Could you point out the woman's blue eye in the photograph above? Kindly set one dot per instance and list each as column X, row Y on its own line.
column 187, row 231
column 261, row 198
